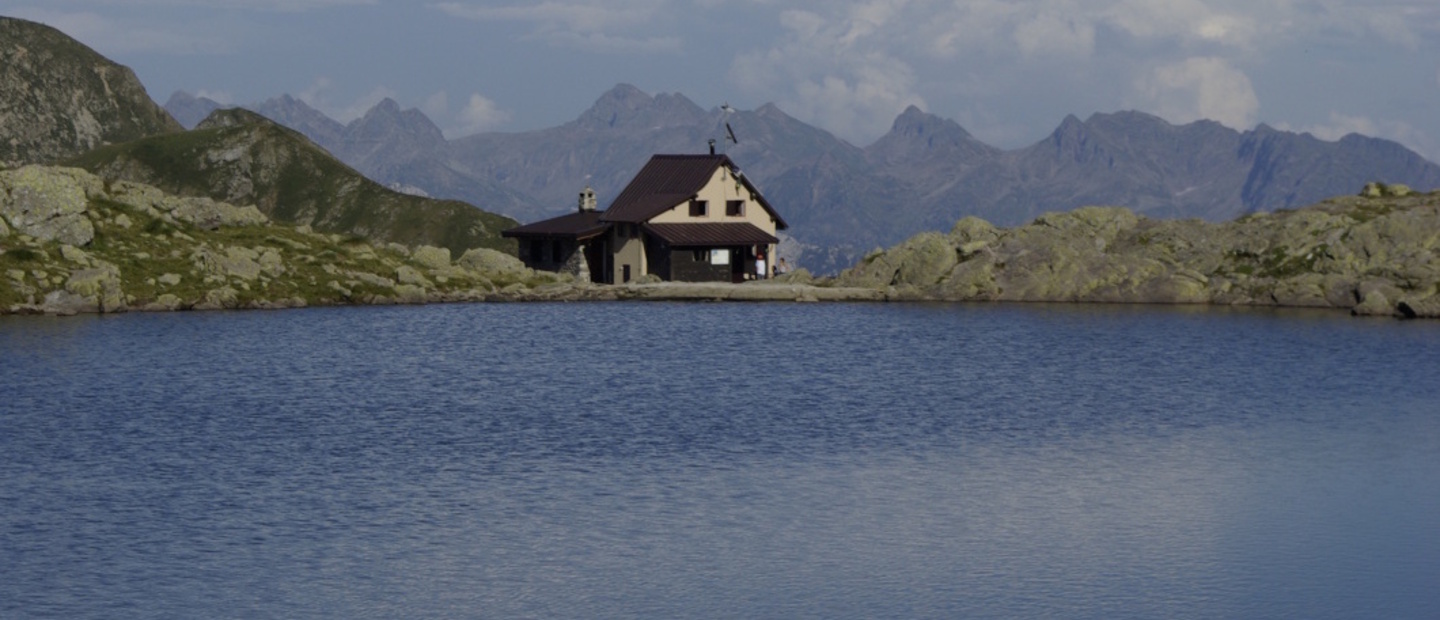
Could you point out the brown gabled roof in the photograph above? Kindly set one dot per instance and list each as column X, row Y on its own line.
column 711, row 234
column 579, row 226
column 666, row 181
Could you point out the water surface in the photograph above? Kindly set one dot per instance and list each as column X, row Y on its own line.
column 720, row 460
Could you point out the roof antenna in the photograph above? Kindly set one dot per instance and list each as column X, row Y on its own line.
column 712, row 146
column 729, row 132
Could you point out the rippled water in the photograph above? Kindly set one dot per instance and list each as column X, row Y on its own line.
column 720, row 460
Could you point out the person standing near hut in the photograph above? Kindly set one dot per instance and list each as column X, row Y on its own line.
column 760, row 265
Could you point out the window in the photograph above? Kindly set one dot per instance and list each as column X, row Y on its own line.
column 699, row 256
column 698, row 208
column 735, row 208
column 557, row 252
column 625, row 269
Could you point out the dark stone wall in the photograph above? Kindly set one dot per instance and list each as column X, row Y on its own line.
column 684, row 267
column 539, row 253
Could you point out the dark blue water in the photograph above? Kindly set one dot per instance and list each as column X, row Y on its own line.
column 720, row 460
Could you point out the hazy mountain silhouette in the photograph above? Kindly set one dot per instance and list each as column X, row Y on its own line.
column 841, row 199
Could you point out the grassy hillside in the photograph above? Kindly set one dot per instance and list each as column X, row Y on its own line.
column 72, row 242
column 239, row 157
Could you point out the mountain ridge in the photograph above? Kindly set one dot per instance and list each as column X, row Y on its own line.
column 923, row 174
column 240, row 157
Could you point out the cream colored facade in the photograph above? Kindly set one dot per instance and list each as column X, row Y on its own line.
column 629, row 251
column 723, row 187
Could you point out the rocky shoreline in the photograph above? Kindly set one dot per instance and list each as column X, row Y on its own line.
column 71, row 243
column 1376, row 254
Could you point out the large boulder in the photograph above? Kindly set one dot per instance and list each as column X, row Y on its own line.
column 95, row 289
column 431, row 257
column 492, row 262
column 49, row 203
column 234, row 262
column 209, row 215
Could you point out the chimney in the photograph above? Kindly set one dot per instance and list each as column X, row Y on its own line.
column 587, row 199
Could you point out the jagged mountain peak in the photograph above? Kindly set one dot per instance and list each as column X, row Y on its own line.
column 618, row 103
column 915, row 123
column 919, row 134
column 1069, row 126
column 913, row 115
column 626, row 106
column 770, row 110
column 386, row 117
column 385, row 106
column 623, row 92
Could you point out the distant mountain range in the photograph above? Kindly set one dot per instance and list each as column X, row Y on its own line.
column 842, row 200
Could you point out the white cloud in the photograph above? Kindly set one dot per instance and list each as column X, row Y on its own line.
column 480, row 113
column 314, row 94
column 288, row 6
column 833, row 71
column 608, row 26
column 362, row 104
column 1056, row 35
column 436, row 106
column 1199, row 21
column 1201, row 87
column 603, row 43
column 1396, row 29
column 573, row 15
column 985, row 26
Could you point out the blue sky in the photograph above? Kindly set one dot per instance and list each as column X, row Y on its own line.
column 1006, row 71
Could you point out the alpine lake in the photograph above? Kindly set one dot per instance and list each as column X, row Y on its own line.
column 720, row 460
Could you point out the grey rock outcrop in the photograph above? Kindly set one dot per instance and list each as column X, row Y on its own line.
column 491, row 261
column 143, row 249
column 431, row 256
column 1375, row 254
column 48, row 203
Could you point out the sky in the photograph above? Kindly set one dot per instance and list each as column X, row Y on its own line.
column 1007, row 71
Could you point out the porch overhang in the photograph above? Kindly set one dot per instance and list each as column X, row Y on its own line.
column 714, row 235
